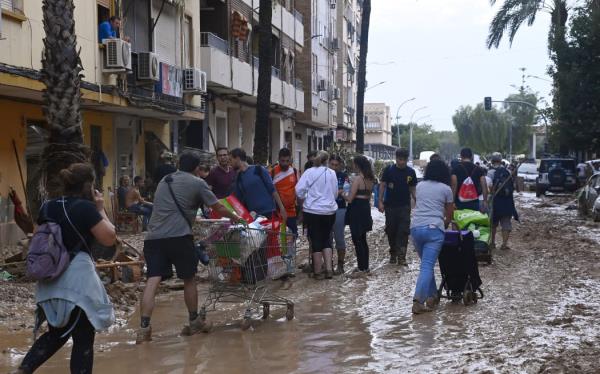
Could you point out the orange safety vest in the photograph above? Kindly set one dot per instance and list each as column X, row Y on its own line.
column 285, row 183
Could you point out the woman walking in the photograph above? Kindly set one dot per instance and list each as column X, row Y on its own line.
column 433, row 213
column 318, row 187
column 358, row 213
column 75, row 304
column 337, row 164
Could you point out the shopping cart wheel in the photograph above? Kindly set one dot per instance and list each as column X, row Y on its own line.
column 246, row 323
column 289, row 314
column 266, row 310
column 468, row 297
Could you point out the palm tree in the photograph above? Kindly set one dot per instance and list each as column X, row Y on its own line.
column 263, row 100
column 61, row 74
column 513, row 13
column 362, row 76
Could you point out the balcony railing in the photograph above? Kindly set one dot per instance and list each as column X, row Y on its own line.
column 298, row 84
column 208, row 39
column 298, row 16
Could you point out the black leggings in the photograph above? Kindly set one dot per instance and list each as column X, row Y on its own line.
column 82, row 353
column 362, row 250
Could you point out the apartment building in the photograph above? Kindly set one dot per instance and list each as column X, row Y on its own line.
column 132, row 93
column 349, row 13
column 229, row 46
column 318, row 63
column 378, row 131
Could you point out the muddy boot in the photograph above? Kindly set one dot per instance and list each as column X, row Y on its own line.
column 393, row 259
column 419, row 308
column 339, row 270
column 144, row 334
column 402, row 257
column 197, row 325
column 432, row 302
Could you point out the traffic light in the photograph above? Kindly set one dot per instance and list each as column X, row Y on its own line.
column 487, row 103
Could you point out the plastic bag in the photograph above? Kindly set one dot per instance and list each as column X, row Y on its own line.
column 465, row 217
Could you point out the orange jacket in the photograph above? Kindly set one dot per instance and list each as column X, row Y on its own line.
column 285, row 183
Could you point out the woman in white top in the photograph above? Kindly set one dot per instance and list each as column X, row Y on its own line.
column 318, row 188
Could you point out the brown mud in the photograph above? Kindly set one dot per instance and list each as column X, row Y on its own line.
column 540, row 315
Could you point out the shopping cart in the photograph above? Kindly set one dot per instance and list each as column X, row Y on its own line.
column 242, row 263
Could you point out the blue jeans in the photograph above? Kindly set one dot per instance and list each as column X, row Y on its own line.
column 144, row 210
column 428, row 242
column 338, row 229
column 292, row 223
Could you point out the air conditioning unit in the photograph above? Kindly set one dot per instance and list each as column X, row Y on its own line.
column 117, row 54
column 335, row 44
column 148, row 66
column 322, row 85
column 194, row 80
column 332, row 3
column 335, row 94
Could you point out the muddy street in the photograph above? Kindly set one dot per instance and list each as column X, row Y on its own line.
column 539, row 314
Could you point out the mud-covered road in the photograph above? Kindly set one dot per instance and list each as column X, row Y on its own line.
column 540, row 313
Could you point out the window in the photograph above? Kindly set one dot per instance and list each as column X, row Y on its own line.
column 314, row 75
column 103, row 11
column 15, row 6
column 188, row 32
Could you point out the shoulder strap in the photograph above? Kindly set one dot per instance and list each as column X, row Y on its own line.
column 169, row 180
column 83, row 241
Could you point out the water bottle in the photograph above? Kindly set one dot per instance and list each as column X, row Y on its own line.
column 346, row 188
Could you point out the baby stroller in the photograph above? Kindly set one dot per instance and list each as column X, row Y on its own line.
column 458, row 265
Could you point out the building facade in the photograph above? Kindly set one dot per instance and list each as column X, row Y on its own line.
column 132, row 93
column 349, row 14
column 378, row 124
column 229, row 46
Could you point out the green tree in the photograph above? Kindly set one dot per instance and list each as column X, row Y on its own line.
column 61, row 74
column 521, row 117
column 483, row 131
column 263, row 100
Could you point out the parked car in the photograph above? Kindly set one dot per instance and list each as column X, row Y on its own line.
column 529, row 173
column 556, row 175
column 588, row 200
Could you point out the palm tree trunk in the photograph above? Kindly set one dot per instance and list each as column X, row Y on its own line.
column 362, row 77
column 263, row 101
column 61, row 74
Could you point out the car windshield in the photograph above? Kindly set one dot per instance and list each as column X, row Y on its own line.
column 528, row 169
column 552, row 164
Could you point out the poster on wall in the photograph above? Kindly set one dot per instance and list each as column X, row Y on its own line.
column 171, row 80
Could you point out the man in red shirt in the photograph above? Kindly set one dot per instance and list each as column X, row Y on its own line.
column 222, row 176
column 285, row 178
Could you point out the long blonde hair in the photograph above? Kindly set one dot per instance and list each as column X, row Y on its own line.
column 321, row 158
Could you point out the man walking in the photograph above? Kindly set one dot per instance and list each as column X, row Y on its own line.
column 400, row 181
column 503, row 203
column 254, row 187
column 285, row 178
column 169, row 241
column 468, row 183
column 221, row 177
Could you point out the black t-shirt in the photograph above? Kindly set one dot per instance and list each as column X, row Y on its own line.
column 398, row 182
column 83, row 215
column 162, row 171
column 341, row 178
column 463, row 170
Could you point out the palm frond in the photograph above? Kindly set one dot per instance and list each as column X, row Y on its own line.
column 511, row 15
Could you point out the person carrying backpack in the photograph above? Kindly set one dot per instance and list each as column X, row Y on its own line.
column 503, row 203
column 69, row 295
column 468, row 182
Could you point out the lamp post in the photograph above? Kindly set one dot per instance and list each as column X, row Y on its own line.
column 378, row 84
column 410, row 147
column 398, row 118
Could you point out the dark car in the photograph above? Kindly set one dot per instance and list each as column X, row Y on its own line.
column 556, row 175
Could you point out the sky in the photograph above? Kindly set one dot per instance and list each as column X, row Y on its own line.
column 434, row 50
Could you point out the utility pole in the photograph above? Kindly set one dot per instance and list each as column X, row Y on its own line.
column 410, row 147
column 398, row 118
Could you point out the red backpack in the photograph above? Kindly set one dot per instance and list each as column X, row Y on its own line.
column 468, row 191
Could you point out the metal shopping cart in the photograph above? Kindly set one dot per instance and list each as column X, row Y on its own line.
column 242, row 263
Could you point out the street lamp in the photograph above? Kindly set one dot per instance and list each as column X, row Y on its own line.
column 378, row 84
column 540, row 78
column 398, row 118
column 422, row 118
column 410, row 147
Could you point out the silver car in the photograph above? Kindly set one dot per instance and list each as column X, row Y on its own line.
column 589, row 198
column 529, row 173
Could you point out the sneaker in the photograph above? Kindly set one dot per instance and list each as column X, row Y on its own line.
column 197, row 325
column 504, row 247
column 393, row 260
column 432, row 302
column 144, row 334
column 419, row 308
column 402, row 261
column 339, row 270
column 319, row 276
column 328, row 274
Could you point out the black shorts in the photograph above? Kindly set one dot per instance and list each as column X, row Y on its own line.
column 319, row 230
column 162, row 254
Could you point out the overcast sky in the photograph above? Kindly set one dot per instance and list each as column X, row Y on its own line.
column 435, row 50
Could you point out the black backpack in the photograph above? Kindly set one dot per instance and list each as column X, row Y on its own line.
column 503, row 183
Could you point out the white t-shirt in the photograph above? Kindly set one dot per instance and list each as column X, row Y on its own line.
column 318, row 187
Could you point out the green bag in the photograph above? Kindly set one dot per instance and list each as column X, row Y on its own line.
column 465, row 217
column 484, row 232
